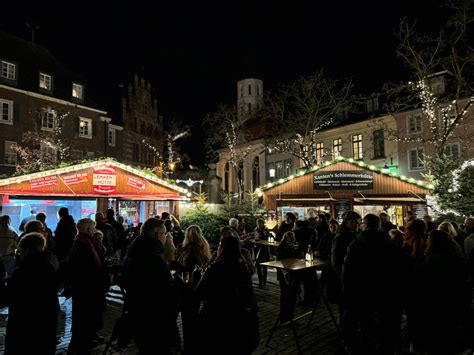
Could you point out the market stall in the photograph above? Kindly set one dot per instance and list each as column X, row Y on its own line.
column 89, row 187
column 346, row 184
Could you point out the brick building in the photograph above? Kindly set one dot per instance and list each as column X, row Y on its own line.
column 39, row 95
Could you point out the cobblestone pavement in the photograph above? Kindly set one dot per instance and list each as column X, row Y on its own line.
column 320, row 337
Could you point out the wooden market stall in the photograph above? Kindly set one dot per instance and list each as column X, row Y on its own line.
column 345, row 184
column 106, row 182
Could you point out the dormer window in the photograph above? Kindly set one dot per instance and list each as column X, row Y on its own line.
column 372, row 104
column 8, row 70
column 78, row 91
column 45, row 81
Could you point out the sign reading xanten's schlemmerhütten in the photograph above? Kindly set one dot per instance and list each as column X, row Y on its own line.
column 352, row 179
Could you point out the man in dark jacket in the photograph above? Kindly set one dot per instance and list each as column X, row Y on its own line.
column 385, row 223
column 371, row 284
column 108, row 231
column 286, row 226
column 151, row 294
column 64, row 233
column 110, row 213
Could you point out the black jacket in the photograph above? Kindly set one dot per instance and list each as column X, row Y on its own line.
column 31, row 294
column 340, row 242
column 64, row 236
column 372, row 274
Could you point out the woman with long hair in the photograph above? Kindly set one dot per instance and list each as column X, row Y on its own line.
column 227, row 294
column 415, row 236
column 194, row 251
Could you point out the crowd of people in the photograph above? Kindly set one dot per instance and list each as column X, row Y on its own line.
column 374, row 271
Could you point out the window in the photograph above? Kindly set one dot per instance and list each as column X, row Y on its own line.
column 414, row 124
column 271, row 170
column 8, row 70
column 6, row 107
column 452, row 150
column 279, row 169
column 336, row 148
column 319, row 152
column 77, row 91
column 135, row 152
column 416, row 157
column 288, row 164
column 48, row 119
column 48, row 150
column 85, row 127
column 45, row 82
column 10, row 153
column 250, row 89
column 241, row 90
column 226, row 177
column 379, row 148
column 250, row 108
column 372, row 104
column 256, row 173
column 258, row 90
column 111, row 137
column 357, row 146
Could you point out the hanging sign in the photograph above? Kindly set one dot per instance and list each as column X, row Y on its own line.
column 419, row 211
column 44, row 182
column 74, row 179
column 349, row 179
column 341, row 206
column 104, row 179
column 136, row 183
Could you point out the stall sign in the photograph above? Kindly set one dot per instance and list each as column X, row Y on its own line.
column 341, row 206
column 74, row 179
column 419, row 211
column 104, row 179
column 44, row 182
column 356, row 179
column 136, row 183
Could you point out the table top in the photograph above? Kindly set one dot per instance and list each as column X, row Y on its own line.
column 294, row 264
column 265, row 242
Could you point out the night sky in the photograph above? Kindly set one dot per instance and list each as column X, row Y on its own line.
column 194, row 52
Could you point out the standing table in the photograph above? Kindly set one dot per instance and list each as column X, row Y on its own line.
column 297, row 265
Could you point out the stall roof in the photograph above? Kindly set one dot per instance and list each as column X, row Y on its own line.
column 356, row 163
column 95, row 178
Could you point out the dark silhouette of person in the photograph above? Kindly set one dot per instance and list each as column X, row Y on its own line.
column 25, row 220
column 31, row 295
column 64, row 233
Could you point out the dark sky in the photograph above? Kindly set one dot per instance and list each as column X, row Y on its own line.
column 195, row 51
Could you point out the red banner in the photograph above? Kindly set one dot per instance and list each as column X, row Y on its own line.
column 74, row 179
column 136, row 183
column 104, row 179
column 44, row 182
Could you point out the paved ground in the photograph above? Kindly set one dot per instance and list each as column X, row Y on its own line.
column 320, row 337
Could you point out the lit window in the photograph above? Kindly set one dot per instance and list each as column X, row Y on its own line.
column 77, row 91
column 336, row 148
column 111, row 137
column 414, row 124
column 288, row 164
column 416, row 157
column 48, row 119
column 10, row 153
column 357, row 146
column 45, row 81
column 6, row 107
column 49, row 151
column 8, row 70
column 279, row 169
column 319, row 152
column 85, row 127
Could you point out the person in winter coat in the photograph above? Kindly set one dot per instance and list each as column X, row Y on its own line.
column 262, row 252
column 109, row 237
column 64, row 234
column 415, row 237
column 8, row 243
column 285, row 226
column 31, row 295
column 385, row 223
column 89, row 281
column 438, row 290
column 371, row 290
column 227, row 294
column 151, row 292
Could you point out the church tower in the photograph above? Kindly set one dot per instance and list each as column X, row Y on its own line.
column 249, row 96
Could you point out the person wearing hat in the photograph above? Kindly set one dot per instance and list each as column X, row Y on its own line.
column 286, row 226
column 344, row 236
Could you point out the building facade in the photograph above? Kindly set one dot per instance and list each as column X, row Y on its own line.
column 42, row 101
column 143, row 126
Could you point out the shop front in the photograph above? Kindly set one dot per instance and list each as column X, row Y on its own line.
column 87, row 188
column 345, row 184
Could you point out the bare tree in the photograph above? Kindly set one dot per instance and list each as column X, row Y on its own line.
column 225, row 133
column 303, row 108
column 441, row 65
